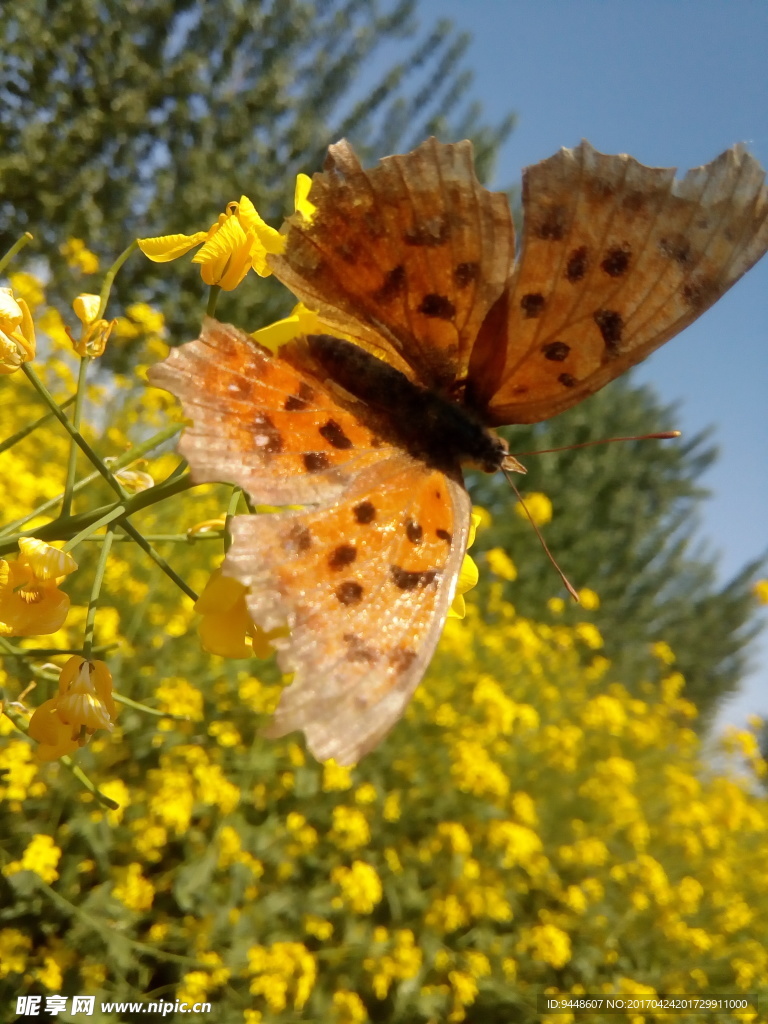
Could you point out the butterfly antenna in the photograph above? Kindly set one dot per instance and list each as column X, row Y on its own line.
column 665, row 435
column 568, row 586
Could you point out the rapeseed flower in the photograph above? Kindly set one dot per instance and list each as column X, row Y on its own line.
column 238, row 241
column 42, row 856
column 96, row 331
column 83, row 704
column 17, row 332
column 31, row 603
column 226, row 625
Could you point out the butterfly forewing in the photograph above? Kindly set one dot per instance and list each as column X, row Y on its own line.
column 263, row 422
column 616, row 259
column 364, row 585
column 406, row 258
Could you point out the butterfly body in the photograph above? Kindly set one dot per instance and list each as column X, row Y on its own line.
column 432, row 427
column 432, row 336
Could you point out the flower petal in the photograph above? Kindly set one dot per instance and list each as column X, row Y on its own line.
column 165, row 248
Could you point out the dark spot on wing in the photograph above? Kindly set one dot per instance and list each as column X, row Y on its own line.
column 532, row 305
column 439, row 306
column 299, row 538
column 404, row 579
column 394, row 283
column 296, row 402
column 552, row 227
column 557, row 351
column 465, row 273
column 334, row 435
column 349, row 592
column 444, row 535
column 342, row 555
column 675, row 248
column 316, row 462
column 611, row 325
column 266, row 436
column 567, row 380
column 414, row 532
column 402, row 658
column 365, row 512
column 430, row 233
column 634, row 200
column 358, row 651
column 616, row 260
column 577, row 264
column 700, row 293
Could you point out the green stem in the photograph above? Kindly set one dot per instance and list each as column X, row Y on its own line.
column 9, row 442
column 154, row 538
column 109, row 278
column 115, row 513
column 155, row 712
column 69, row 484
column 74, row 434
column 213, row 298
column 123, row 460
column 93, row 604
column 52, row 652
column 158, row 559
column 63, row 529
column 234, row 501
column 110, row 934
column 17, row 246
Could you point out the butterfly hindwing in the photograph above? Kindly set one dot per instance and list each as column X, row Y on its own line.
column 616, row 259
column 364, row 585
column 406, row 258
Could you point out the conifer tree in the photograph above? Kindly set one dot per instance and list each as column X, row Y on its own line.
column 131, row 119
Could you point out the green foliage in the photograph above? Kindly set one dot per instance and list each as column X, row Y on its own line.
column 138, row 119
column 624, row 524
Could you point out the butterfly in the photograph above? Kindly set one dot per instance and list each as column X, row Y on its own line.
column 432, row 335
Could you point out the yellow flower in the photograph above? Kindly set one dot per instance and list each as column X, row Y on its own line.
column 539, row 508
column 501, row 564
column 46, row 561
column 96, row 331
column 468, row 574
column 79, row 256
column 760, row 590
column 360, row 886
column 17, row 332
column 301, row 321
column 301, row 201
column 42, row 856
column 588, row 599
column 134, row 890
column 226, row 622
column 30, row 600
column 239, row 241
column 549, row 944
column 83, row 704
column 663, row 652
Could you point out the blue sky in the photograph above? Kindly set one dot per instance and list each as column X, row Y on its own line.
column 674, row 83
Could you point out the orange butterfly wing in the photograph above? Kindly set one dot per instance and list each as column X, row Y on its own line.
column 261, row 422
column 616, row 259
column 364, row 584
column 406, row 258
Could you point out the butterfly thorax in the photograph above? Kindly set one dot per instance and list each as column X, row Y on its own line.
column 428, row 424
